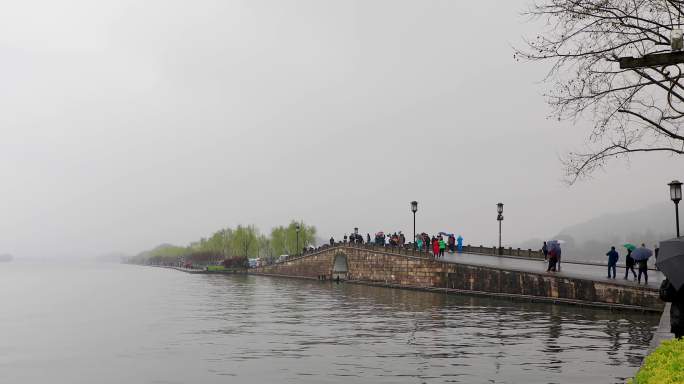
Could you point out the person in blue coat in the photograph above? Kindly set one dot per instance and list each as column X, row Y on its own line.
column 613, row 257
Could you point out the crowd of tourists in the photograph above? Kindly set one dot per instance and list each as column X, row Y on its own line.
column 636, row 256
column 397, row 239
column 438, row 245
column 435, row 245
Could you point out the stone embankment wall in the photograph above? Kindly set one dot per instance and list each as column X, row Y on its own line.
column 407, row 269
column 551, row 287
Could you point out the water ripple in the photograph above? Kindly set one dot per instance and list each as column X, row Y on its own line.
column 153, row 325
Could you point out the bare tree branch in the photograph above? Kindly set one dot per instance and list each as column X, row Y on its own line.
column 636, row 111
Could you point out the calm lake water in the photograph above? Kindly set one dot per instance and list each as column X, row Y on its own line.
column 109, row 323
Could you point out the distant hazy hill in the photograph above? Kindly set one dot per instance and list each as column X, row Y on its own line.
column 592, row 239
column 6, row 257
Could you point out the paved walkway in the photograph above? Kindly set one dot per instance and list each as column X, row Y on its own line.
column 568, row 269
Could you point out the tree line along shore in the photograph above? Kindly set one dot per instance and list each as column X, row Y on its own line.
column 232, row 246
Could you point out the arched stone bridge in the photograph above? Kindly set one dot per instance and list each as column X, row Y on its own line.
column 405, row 268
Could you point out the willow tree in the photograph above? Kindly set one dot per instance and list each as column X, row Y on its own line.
column 244, row 241
column 264, row 247
column 284, row 239
column 632, row 110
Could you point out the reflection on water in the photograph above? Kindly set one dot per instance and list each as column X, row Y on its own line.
column 147, row 325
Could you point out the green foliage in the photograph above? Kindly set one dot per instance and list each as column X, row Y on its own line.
column 219, row 242
column 164, row 254
column 265, row 250
column 245, row 241
column 284, row 239
column 232, row 244
column 664, row 366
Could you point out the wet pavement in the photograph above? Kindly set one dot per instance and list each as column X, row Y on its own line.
column 570, row 269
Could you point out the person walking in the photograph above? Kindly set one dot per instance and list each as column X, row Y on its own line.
column 669, row 294
column 643, row 269
column 332, row 241
column 629, row 265
column 435, row 248
column 545, row 251
column 452, row 243
column 419, row 243
column 368, row 239
column 442, row 246
column 613, row 257
column 553, row 258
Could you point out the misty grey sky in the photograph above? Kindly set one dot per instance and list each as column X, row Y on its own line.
column 125, row 124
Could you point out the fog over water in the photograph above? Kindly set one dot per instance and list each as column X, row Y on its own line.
column 128, row 124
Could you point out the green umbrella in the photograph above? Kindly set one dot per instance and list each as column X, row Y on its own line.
column 629, row 246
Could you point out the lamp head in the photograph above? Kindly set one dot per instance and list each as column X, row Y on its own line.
column 676, row 39
column 676, row 191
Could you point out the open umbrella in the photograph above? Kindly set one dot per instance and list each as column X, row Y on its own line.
column 629, row 246
column 641, row 253
column 553, row 245
column 671, row 261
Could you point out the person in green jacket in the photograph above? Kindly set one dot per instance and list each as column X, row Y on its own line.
column 442, row 246
column 419, row 243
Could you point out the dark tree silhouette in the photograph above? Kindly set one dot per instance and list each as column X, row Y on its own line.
column 634, row 111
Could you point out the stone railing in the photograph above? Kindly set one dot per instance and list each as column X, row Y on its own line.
column 510, row 251
column 409, row 250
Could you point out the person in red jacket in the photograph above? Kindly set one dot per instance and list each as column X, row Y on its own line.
column 435, row 248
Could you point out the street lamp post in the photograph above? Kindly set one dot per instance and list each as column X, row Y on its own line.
column 676, row 196
column 499, row 218
column 414, row 209
column 297, row 228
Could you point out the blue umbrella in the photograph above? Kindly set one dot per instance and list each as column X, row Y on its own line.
column 641, row 253
column 553, row 245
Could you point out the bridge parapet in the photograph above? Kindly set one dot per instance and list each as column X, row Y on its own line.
column 412, row 252
column 408, row 268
